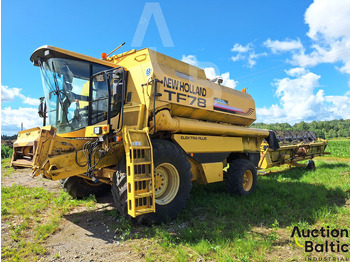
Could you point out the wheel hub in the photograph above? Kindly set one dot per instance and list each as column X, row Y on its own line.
column 167, row 183
column 247, row 180
column 161, row 181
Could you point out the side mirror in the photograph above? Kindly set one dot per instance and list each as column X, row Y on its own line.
column 117, row 90
column 117, row 84
column 42, row 108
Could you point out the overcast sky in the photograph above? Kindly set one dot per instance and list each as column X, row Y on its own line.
column 292, row 56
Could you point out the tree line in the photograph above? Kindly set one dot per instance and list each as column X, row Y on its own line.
column 323, row 129
column 6, row 137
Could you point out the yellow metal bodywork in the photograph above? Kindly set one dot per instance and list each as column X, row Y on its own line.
column 25, row 146
column 208, row 172
column 185, row 89
column 205, row 144
column 165, row 98
column 40, row 52
column 165, row 122
column 213, row 172
column 27, row 136
column 57, row 157
column 190, row 101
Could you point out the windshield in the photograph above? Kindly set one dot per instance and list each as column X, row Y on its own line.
column 67, row 93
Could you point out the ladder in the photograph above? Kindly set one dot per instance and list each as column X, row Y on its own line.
column 139, row 169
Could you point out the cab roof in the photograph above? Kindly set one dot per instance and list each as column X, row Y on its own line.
column 50, row 51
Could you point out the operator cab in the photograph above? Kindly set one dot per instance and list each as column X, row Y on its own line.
column 77, row 88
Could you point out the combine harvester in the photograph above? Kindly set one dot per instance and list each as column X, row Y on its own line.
column 145, row 126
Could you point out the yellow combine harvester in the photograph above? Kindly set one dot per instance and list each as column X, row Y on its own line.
column 146, row 125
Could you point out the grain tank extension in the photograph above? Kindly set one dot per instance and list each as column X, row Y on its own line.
column 146, row 126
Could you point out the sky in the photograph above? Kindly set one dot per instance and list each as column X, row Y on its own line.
column 293, row 56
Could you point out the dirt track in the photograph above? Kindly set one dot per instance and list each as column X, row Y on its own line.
column 83, row 235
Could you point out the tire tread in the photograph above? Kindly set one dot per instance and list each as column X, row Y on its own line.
column 234, row 177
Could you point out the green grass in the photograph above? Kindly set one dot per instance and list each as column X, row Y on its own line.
column 339, row 148
column 214, row 226
column 6, row 170
column 220, row 227
column 31, row 215
column 6, row 152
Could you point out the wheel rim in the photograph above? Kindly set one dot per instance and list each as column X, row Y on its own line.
column 167, row 183
column 247, row 180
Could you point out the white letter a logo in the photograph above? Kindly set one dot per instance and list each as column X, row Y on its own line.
column 152, row 9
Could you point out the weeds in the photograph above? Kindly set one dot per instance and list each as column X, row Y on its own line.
column 339, row 148
column 6, row 152
column 31, row 215
column 6, row 168
column 220, row 227
column 215, row 226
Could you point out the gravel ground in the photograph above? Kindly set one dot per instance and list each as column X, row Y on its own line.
column 84, row 234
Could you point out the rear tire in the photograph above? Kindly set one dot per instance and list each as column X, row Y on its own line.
column 79, row 187
column 171, row 167
column 241, row 177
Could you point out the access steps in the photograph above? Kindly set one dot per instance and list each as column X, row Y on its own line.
column 140, row 174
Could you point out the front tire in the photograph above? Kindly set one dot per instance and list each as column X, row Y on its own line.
column 78, row 187
column 119, row 188
column 241, row 177
column 172, row 183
